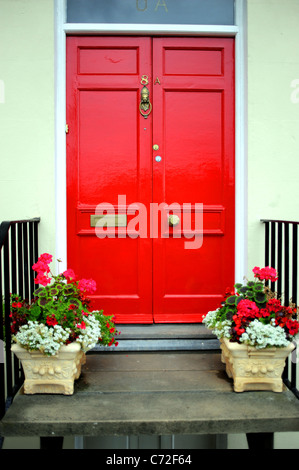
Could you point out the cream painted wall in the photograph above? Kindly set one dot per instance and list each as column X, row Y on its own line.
column 273, row 131
column 27, row 114
column 273, row 117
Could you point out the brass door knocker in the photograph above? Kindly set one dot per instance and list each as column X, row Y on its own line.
column 145, row 106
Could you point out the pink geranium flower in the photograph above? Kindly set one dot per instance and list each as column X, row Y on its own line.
column 69, row 274
column 42, row 279
column 265, row 274
column 88, row 286
column 46, row 258
column 41, row 267
column 247, row 308
column 81, row 325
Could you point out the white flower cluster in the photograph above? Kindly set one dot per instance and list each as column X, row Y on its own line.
column 261, row 336
column 257, row 333
column 221, row 329
column 89, row 336
column 210, row 318
column 37, row 336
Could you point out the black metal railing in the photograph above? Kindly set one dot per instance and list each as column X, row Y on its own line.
column 281, row 253
column 18, row 252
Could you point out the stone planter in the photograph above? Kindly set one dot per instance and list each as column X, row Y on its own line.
column 254, row 369
column 51, row 374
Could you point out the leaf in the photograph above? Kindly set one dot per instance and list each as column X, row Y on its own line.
column 40, row 292
column 243, row 290
column 54, row 291
column 238, row 285
column 69, row 290
column 34, row 312
column 260, row 298
column 42, row 301
column 258, row 287
column 231, row 300
column 238, row 300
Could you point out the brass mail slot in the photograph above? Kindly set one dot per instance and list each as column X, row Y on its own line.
column 110, row 220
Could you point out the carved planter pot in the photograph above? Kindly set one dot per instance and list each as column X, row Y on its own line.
column 252, row 368
column 51, row 374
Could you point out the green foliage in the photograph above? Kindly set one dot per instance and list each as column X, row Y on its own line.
column 253, row 312
column 253, row 291
column 63, row 304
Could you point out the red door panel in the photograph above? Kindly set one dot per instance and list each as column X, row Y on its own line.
column 158, row 275
column 193, row 125
column 109, row 155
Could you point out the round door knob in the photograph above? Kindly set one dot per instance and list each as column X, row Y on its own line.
column 158, row 158
column 173, row 220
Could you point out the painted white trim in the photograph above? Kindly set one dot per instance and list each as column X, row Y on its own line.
column 241, row 94
column 239, row 32
column 150, row 29
column 60, row 137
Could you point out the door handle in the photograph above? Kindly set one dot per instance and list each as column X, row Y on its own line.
column 173, row 220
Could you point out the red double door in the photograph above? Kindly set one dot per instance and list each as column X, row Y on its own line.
column 137, row 165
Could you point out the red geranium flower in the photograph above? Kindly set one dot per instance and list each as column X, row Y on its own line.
column 292, row 326
column 16, row 304
column 51, row 320
column 274, row 305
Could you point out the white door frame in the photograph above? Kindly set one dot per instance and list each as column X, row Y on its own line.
column 239, row 32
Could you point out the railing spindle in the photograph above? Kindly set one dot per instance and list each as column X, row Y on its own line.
column 7, row 318
column 18, row 251
column 273, row 257
column 283, row 254
column 286, row 264
column 295, row 263
column 279, row 259
column 20, row 261
column 25, row 261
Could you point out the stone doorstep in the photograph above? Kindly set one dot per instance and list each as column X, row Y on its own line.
column 152, row 393
column 164, row 331
column 164, row 337
column 161, row 345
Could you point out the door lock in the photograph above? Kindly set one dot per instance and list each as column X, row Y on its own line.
column 158, row 158
column 156, row 147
